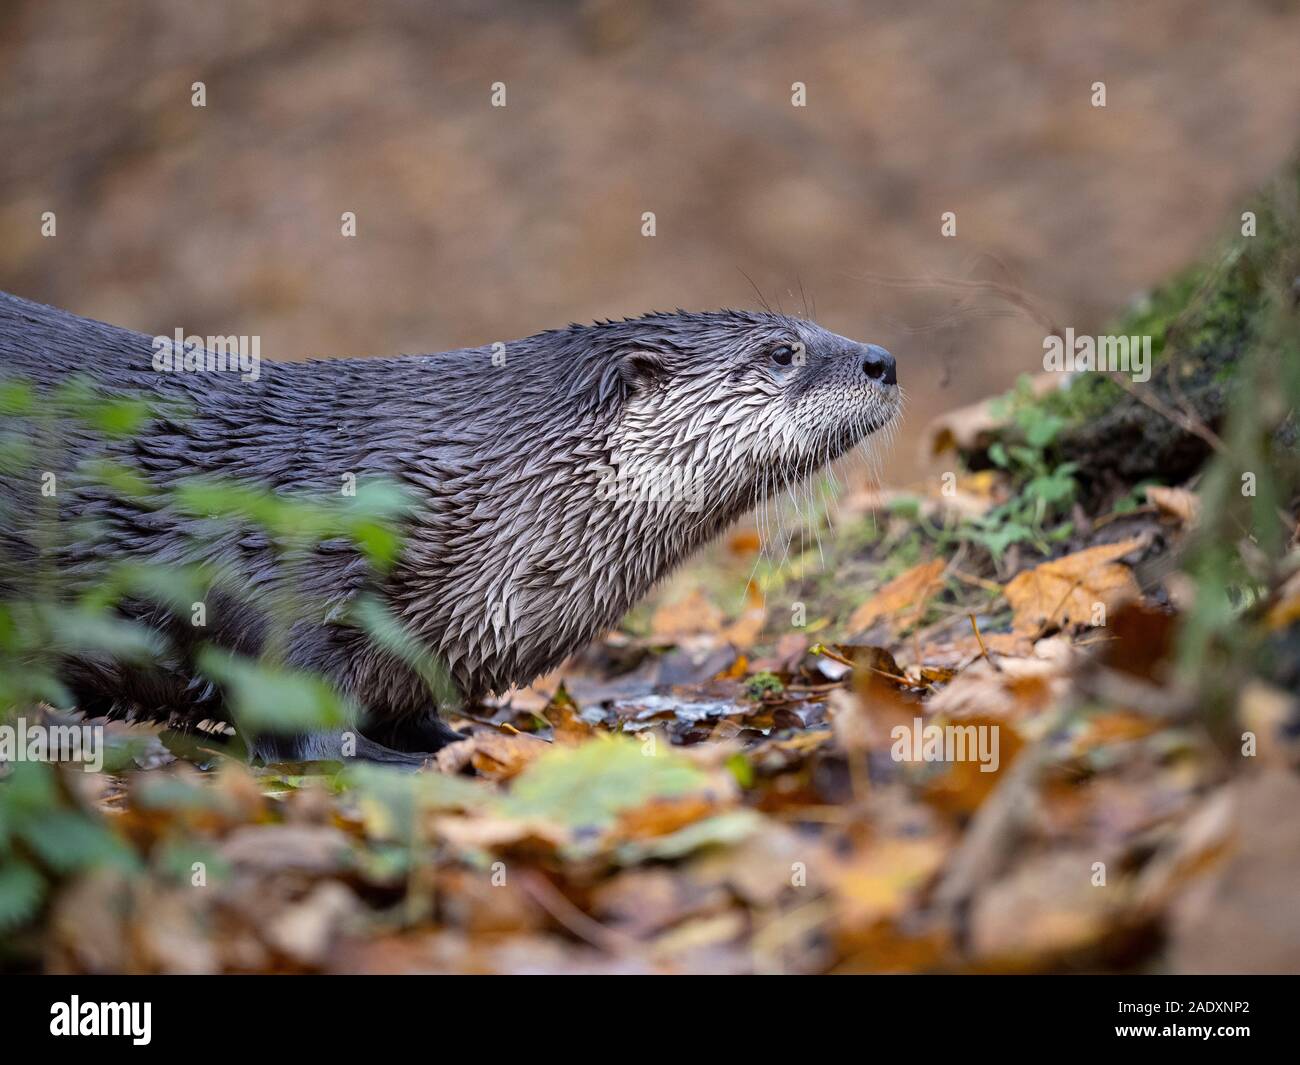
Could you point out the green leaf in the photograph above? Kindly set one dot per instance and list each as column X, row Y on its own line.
column 67, row 840
column 176, row 858
column 999, row 539
column 16, row 398
column 155, row 791
column 1051, row 489
column 76, row 395
column 177, row 587
column 379, row 500
column 21, row 890
column 380, row 544
column 1026, row 456
column 84, row 631
column 212, row 497
column 741, row 768
column 119, row 417
column 588, row 786
column 906, row 507
column 32, row 684
column 15, row 453
column 272, row 699
column 29, row 788
column 375, row 619
column 724, row 829
column 390, row 798
column 1040, row 428
column 121, row 479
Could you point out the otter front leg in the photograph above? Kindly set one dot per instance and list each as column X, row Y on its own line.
column 425, row 732
column 338, row 745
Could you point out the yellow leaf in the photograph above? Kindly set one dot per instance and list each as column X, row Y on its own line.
column 910, row 592
column 1177, row 502
column 1065, row 591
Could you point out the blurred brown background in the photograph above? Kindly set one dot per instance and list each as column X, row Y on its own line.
column 478, row 223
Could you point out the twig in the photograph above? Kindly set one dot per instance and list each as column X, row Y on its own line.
column 1011, row 294
column 1051, row 618
column 1183, row 421
column 1115, row 515
column 984, row 651
column 822, row 649
column 586, row 928
column 979, row 582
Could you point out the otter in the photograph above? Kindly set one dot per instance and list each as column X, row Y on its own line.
column 555, row 479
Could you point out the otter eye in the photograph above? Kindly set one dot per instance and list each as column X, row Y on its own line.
column 783, row 356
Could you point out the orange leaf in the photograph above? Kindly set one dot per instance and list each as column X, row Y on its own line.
column 1064, row 591
column 1178, row 502
column 563, row 714
column 745, row 630
column 495, row 755
column 690, row 616
column 910, row 591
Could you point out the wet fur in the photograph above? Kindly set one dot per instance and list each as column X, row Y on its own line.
column 518, row 553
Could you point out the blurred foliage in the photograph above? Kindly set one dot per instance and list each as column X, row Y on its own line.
column 45, row 832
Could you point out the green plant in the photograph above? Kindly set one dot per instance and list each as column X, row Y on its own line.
column 1043, row 488
column 47, row 615
column 763, row 684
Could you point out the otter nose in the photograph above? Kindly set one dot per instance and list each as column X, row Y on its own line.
column 878, row 364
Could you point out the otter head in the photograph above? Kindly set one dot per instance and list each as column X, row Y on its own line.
column 728, row 407
column 595, row 458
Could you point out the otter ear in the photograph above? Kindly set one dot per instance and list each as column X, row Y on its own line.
column 630, row 371
column 639, row 368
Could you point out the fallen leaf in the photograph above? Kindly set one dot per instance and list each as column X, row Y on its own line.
column 1141, row 641
column 495, row 755
column 1242, row 917
column 306, row 930
column 745, row 630
column 490, row 832
column 562, row 713
column 1016, row 688
column 975, row 427
column 317, row 849
column 1176, row 502
column 690, row 616
column 661, row 817
column 1285, row 611
column 744, row 542
column 642, row 902
column 591, row 785
column 906, row 595
column 1066, row 591
column 881, row 877
column 1046, row 909
column 964, row 784
column 727, row 828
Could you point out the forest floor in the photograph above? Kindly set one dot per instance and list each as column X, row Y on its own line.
column 990, row 775
column 1035, row 713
